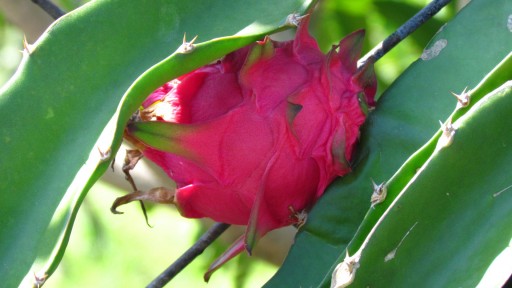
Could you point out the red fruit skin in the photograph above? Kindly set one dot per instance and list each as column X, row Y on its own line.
column 270, row 126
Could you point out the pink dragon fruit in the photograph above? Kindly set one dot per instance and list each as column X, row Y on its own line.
column 255, row 138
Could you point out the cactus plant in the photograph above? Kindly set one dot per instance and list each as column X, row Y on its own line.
column 437, row 194
column 407, row 115
column 72, row 80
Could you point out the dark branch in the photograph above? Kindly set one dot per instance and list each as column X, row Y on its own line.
column 213, row 233
column 53, row 10
column 405, row 30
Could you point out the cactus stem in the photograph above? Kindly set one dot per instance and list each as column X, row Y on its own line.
column 380, row 192
column 187, row 47
column 39, row 280
column 462, row 98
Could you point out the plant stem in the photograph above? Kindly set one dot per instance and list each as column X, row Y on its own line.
column 403, row 31
column 213, row 233
column 53, row 10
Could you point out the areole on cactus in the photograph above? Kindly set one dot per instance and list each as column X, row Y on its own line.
column 255, row 138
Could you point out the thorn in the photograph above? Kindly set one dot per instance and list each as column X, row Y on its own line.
column 463, row 98
column 392, row 254
column 187, row 47
column 380, row 192
column 446, row 138
column 39, row 280
column 298, row 218
column 345, row 272
column 294, row 19
column 104, row 155
column 27, row 47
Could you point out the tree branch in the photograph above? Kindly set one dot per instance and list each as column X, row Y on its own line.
column 403, row 31
column 213, row 233
column 53, row 10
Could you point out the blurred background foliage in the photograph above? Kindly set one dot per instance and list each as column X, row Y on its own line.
column 121, row 251
column 10, row 56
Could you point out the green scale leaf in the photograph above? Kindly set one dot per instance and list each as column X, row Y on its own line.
column 68, row 88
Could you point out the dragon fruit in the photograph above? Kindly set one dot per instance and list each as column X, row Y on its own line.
column 255, row 138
